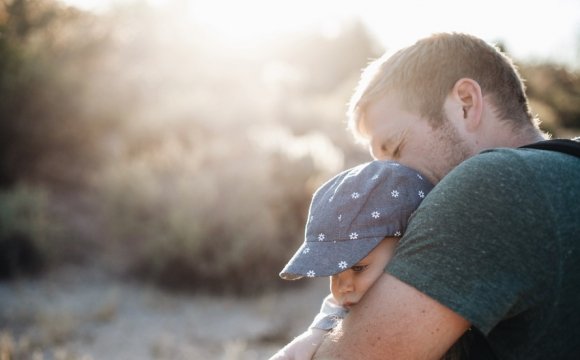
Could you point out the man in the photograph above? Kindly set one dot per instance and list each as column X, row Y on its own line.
column 496, row 245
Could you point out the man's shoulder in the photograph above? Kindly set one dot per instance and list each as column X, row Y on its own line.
column 514, row 162
column 513, row 156
column 503, row 173
column 541, row 151
column 487, row 166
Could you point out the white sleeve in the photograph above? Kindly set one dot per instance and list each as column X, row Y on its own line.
column 329, row 316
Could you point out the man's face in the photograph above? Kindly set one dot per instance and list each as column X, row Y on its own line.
column 349, row 286
column 400, row 135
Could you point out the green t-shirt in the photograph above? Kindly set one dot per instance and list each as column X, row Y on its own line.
column 498, row 242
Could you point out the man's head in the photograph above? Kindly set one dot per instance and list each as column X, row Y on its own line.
column 443, row 99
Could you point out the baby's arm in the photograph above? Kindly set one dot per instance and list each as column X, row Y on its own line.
column 305, row 345
column 329, row 316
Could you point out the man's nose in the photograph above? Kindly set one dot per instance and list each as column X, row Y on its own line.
column 378, row 150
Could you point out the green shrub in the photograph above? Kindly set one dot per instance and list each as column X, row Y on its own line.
column 27, row 232
column 224, row 217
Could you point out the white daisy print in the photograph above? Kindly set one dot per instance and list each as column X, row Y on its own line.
column 311, row 274
column 395, row 193
column 330, row 199
column 421, row 194
column 306, row 250
column 343, row 265
column 321, row 237
column 398, row 233
column 355, row 195
column 419, row 176
column 375, row 177
column 375, row 214
column 353, row 236
column 340, row 217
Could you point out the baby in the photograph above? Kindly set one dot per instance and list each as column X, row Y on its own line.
column 354, row 223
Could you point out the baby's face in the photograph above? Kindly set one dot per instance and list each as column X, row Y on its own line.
column 349, row 286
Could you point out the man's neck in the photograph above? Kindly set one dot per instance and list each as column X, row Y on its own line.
column 506, row 136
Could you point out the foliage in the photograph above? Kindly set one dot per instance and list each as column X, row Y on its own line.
column 28, row 234
column 555, row 90
column 201, row 218
column 45, row 134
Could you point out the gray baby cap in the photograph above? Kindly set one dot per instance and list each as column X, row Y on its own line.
column 352, row 213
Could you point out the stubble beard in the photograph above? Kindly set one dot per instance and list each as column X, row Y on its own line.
column 453, row 148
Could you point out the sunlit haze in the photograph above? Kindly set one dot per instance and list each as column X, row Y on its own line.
column 158, row 158
column 534, row 30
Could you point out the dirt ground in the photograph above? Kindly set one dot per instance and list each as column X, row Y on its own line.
column 85, row 314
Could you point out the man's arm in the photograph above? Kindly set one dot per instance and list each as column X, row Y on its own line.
column 394, row 321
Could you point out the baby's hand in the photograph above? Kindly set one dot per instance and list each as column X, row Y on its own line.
column 302, row 347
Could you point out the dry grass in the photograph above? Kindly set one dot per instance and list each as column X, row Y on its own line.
column 79, row 315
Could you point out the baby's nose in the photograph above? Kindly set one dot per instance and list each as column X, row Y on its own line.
column 345, row 282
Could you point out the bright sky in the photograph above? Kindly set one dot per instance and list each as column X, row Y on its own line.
column 542, row 29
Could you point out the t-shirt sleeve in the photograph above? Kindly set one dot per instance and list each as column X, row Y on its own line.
column 473, row 243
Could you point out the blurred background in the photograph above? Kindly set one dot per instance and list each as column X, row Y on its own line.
column 168, row 150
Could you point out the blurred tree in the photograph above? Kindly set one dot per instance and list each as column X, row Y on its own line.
column 557, row 88
column 553, row 91
column 45, row 135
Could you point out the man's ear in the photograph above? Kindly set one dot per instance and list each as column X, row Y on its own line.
column 469, row 97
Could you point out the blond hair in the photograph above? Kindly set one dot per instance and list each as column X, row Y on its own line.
column 423, row 74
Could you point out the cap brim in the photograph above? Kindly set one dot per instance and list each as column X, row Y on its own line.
column 315, row 259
